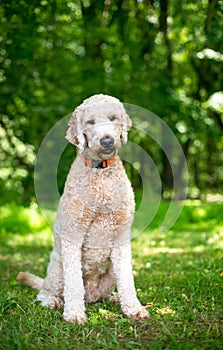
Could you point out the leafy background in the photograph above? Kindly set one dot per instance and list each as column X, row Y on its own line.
column 165, row 56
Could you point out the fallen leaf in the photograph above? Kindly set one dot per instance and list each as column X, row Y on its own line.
column 148, row 305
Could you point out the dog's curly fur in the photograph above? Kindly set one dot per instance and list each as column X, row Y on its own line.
column 92, row 250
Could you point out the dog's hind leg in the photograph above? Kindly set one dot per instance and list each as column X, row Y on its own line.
column 51, row 294
column 107, row 284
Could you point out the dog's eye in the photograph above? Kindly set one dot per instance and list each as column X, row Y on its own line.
column 91, row 122
column 112, row 118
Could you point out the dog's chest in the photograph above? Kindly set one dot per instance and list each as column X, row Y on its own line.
column 100, row 198
column 109, row 191
column 102, row 231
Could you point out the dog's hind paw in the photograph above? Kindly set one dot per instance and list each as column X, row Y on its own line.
column 50, row 301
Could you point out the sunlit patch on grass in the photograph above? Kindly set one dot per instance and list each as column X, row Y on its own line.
column 24, row 226
column 21, row 220
column 101, row 315
column 165, row 310
column 217, row 238
column 44, row 238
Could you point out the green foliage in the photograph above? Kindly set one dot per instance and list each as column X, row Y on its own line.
column 178, row 274
column 161, row 55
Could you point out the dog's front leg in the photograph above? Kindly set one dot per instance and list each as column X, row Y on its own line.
column 74, row 306
column 122, row 264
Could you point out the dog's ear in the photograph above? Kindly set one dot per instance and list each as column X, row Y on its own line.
column 127, row 123
column 75, row 132
column 71, row 134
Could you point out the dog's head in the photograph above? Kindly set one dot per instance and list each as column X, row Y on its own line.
column 99, row 126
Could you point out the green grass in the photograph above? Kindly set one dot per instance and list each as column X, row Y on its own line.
column 178, row 273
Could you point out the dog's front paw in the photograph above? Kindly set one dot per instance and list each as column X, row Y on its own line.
column 140, row 314
column 73, row 317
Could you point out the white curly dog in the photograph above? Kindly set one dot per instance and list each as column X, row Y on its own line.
column 92, row 249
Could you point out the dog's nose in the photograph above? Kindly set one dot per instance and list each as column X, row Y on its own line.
column 107, row 142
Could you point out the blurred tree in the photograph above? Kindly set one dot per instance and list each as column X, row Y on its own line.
column 163, row 55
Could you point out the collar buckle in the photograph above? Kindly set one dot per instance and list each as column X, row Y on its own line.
column 91, row 163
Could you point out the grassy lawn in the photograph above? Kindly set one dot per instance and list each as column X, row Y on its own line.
column 179, row 274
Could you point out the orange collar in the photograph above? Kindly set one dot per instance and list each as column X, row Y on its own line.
column 98, row 164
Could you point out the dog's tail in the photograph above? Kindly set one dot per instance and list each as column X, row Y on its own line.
column 30, row 280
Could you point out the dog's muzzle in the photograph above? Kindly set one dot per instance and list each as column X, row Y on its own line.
column 107, row 142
